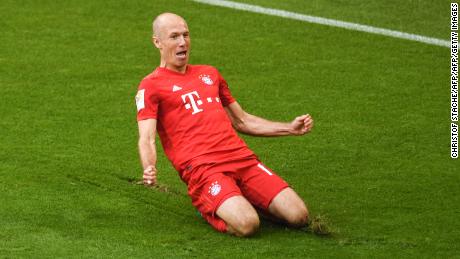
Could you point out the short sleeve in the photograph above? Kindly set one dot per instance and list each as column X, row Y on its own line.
column 146, row 101
column 224, row 92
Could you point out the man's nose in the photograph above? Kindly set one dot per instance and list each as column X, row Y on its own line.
column 181, row 40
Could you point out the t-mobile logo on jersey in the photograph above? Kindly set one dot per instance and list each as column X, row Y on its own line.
column 192, row 103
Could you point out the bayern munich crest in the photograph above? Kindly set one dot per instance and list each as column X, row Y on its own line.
column 215, row 188
column 206, row 79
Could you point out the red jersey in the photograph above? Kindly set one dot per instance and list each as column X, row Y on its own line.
column 191, row 121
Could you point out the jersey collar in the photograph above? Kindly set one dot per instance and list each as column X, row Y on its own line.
column 171, row 72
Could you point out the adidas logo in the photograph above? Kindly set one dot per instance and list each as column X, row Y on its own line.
column 176, row 88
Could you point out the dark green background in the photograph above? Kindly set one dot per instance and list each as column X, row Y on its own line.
column 377, row 162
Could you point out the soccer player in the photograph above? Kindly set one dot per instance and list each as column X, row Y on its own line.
column 195, row 115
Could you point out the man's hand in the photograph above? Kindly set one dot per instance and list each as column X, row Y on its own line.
column 301, row 125
column 150, row 175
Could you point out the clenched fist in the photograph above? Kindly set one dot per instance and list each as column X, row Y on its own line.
column 301, row 125
column 150, row 175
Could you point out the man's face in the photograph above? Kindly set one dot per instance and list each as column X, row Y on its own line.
column 174, row 44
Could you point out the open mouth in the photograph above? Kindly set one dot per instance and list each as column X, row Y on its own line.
column 181, row 54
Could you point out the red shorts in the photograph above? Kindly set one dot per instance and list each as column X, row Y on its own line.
column 209, row 185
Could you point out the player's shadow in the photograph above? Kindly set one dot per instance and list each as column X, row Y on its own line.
column 317, row 225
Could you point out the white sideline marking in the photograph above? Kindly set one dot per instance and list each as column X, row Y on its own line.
column 326, row 21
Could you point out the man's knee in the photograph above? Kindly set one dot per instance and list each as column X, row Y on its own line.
column 288, row 206
column 246, row 225
column 298, row 217
column 239, row 215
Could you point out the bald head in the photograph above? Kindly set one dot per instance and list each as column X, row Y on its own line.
column 164, row 21
column 171, row 37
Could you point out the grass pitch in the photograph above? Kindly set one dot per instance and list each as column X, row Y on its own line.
column 377, row 163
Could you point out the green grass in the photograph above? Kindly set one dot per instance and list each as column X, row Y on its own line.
column 413, row 16
column 377, row 163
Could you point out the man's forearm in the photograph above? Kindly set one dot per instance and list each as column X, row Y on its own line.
column 249, row 124
column 257, row 126
column 148, row 154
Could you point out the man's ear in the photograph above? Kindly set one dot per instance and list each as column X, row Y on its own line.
column 156, row 42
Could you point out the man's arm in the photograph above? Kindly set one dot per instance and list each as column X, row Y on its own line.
column 147, row 150
column 253, row 125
